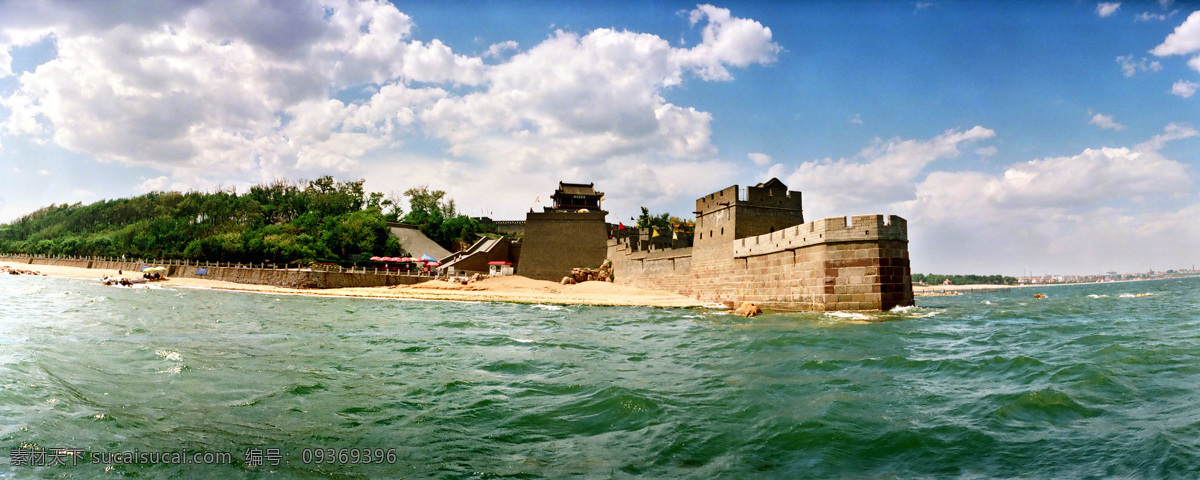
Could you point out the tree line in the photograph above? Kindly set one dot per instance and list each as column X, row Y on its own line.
column 278, row 222
column 935, row 279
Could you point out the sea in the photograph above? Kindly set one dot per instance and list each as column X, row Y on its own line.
column 1093, row 381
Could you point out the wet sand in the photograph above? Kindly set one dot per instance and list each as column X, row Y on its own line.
column 512, row 289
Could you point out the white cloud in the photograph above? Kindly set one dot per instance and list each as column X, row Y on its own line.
column 1092, row 177
column 729, row 40
column 1105, row 122
column 1131, row 67
column 497, row 49
column 1172, row 132
column 1184, row 40
column 987, row 151
column 1058, row 213
column 234, row 92
column 760, row 159
column 153, row 184
column 857, row 120
column 1107, row 8
column 1184, row 88
column 881, row 174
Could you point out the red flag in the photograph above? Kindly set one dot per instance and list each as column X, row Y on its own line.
column 620, row 225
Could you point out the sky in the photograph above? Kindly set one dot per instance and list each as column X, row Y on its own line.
column 1054, row 137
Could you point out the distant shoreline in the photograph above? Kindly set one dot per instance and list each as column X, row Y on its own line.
column 944, row 290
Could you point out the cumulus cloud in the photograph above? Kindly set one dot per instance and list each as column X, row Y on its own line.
column 880, row 174
column 1105, row 122
column 1184, row 88
column 728, row 40
column 497, row 49
column 1131, row 67
column 1184, row 40
column 233, row 92
column 1107, row 8
column 760, row 159
column 1091, row 177
column 154, row 184
column 1118, row 203
column 1057, row 213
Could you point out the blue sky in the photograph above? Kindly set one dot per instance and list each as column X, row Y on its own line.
column 1045, row 137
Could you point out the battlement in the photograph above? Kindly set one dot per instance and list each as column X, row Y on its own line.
column 827, row 230
column 716, row 200
column 770, row 194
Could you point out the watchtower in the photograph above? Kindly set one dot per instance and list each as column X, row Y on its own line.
column 727, row 215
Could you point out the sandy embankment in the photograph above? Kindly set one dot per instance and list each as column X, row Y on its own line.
column 501, row 289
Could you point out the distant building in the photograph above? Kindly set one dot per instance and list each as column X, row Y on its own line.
column 570, row 234
column 500, row 268
column 573, row 197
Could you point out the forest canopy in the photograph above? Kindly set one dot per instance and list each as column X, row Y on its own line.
column 280, row 222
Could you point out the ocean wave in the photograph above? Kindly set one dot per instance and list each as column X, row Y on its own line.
column 1043, row 406
column 169, row 355
column 848, row 315
column 913, row 311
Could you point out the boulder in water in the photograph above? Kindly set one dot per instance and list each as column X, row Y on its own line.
column 748, row 310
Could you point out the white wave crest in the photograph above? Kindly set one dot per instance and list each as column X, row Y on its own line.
column 169, row 355
column 848, row 315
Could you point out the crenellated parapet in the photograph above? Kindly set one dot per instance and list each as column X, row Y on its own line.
column 716, row 201
column 753, row 245
column 771, row 194
column 859, row 228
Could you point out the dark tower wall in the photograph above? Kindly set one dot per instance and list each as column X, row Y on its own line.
column 554, row 243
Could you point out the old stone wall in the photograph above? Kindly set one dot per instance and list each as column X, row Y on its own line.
column 293, row 278
column 827, row 265
column 554, row 243
column 668, row 269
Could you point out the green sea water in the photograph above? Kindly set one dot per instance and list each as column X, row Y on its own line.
column 1092, row 382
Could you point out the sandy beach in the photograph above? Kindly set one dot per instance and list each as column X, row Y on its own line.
column 512, row 289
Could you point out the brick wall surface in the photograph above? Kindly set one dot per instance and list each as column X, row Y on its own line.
column 851, row 271
column 554, row 243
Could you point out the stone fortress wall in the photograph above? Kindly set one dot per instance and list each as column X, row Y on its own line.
column 556, row 242
column 750, row 247
column 292, row 278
